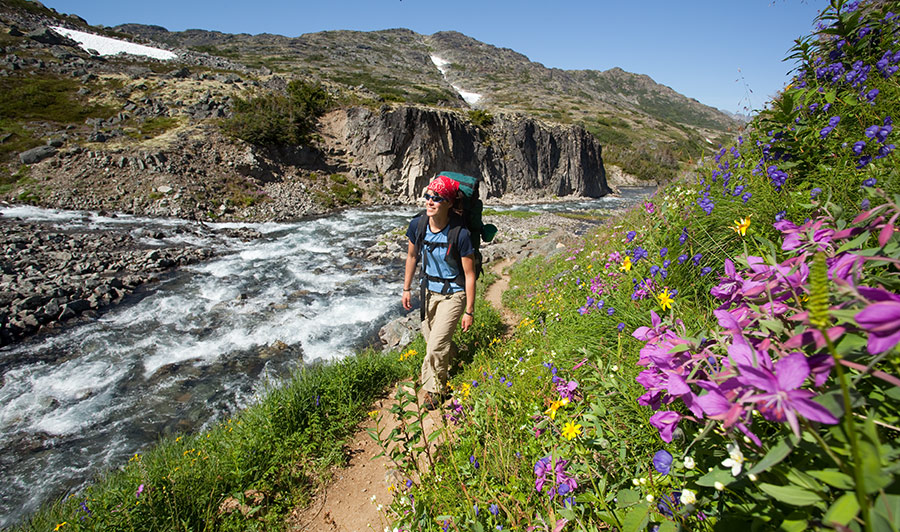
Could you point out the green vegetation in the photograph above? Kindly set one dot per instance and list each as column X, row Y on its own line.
column 153, row 127
column 28, row 98
column 719, row 357
column 481, row 118
column 269, row 118
column 513, row 214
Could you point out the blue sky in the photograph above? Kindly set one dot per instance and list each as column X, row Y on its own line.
column 724, row 53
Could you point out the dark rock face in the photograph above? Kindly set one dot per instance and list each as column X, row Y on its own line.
column 515, row 156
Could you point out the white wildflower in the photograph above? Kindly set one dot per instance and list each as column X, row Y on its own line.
column 650, row 498
column 735, row 459
column 752, row 477
column 689, row 462
column 719, row 486
column 688, row 497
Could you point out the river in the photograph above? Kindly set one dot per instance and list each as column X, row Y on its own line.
column 203, row 343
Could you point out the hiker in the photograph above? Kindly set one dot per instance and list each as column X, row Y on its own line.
column 448, row 289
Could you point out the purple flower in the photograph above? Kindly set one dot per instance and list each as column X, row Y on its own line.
column 620, row 326
column 663, row 251
column 494, row 509
column 662, row 461
column 746, row 197
column 814, row 193
column 870, row 182
column 864, row 160
column 859, row 146
column 682, row 258
column 782, row 400
column 883, row 132
column 640, row 253
column 881, row 319
column 610, row 311
column 705, row 270
column 696, row 258
column 825, row 131
column 871, row 131
column 780, row 215
column 474, row 462
column 833, row 121
column 684, row 236
column 630, row 236
column 666, row 422
column 139, row 491
column 870, row 96
column 884, row 151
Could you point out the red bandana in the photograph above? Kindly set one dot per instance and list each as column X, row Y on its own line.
column 444, row 187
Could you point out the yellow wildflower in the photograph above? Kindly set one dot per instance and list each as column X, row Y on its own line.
column 741, row 226
column 571, row 430
column 465, row 389
column 373, row 414
column 665, row 299
column 64, row 523
column 626, row 264
column 556, row 405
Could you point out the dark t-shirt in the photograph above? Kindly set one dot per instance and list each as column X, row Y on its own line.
column 438, row 262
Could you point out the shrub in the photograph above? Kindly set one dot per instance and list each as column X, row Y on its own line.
column 271, row 118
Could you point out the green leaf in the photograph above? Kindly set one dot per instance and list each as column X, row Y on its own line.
column 636, row 519
column 887, row 512
column 830, row 96
column 794, row 523
column 680, row 348
column 776, row 454
column 833, row 478
column 874, row 475
column 843, row 510
column 628, row 497
column 716, row 475
column 791, row 494
column 772, row 325
column 856, row 243
column 667, row 526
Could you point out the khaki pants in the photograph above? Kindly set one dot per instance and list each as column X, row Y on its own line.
column 442, row 314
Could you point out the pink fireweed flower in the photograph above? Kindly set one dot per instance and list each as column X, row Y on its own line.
column 665, row 422
column 782, row 399
column 880, row 319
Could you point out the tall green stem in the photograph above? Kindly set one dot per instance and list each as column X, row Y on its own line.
column 850, row 427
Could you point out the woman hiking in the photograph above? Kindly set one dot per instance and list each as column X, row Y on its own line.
column 449, row 277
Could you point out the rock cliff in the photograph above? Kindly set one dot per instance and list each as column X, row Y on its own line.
column 514, row 155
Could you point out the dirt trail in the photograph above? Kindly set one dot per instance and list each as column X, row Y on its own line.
column 347, row 504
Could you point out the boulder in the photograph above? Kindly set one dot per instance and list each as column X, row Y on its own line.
column 36, row 155
column 48, row 36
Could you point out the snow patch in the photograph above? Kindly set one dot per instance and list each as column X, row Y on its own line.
column 471, row 98
column 110, row 46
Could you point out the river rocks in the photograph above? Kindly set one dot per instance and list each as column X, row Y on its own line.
column 51, row 275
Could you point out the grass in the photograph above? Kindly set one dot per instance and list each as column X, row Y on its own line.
column 524, row 215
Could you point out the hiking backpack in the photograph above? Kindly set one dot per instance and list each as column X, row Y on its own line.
column 467, row 213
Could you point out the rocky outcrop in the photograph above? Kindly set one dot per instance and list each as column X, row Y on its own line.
column 514, row 155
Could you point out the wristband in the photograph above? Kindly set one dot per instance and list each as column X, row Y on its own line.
column 407, row 290
column 469, row 314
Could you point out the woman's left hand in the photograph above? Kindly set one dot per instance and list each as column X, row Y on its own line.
column 466, row 322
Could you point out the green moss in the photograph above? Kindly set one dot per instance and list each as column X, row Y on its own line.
column 46, row 98
column 153, row 127
column 511, row 214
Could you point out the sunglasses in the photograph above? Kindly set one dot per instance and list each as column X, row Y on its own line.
column 436, row 199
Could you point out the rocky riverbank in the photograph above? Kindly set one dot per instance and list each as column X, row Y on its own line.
column 51, row 275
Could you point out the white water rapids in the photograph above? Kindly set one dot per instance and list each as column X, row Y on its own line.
column 194, row 348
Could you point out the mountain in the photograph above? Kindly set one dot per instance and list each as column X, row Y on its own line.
column 625, row 111
column 86, row 130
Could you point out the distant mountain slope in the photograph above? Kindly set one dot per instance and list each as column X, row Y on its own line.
column 645, row 126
